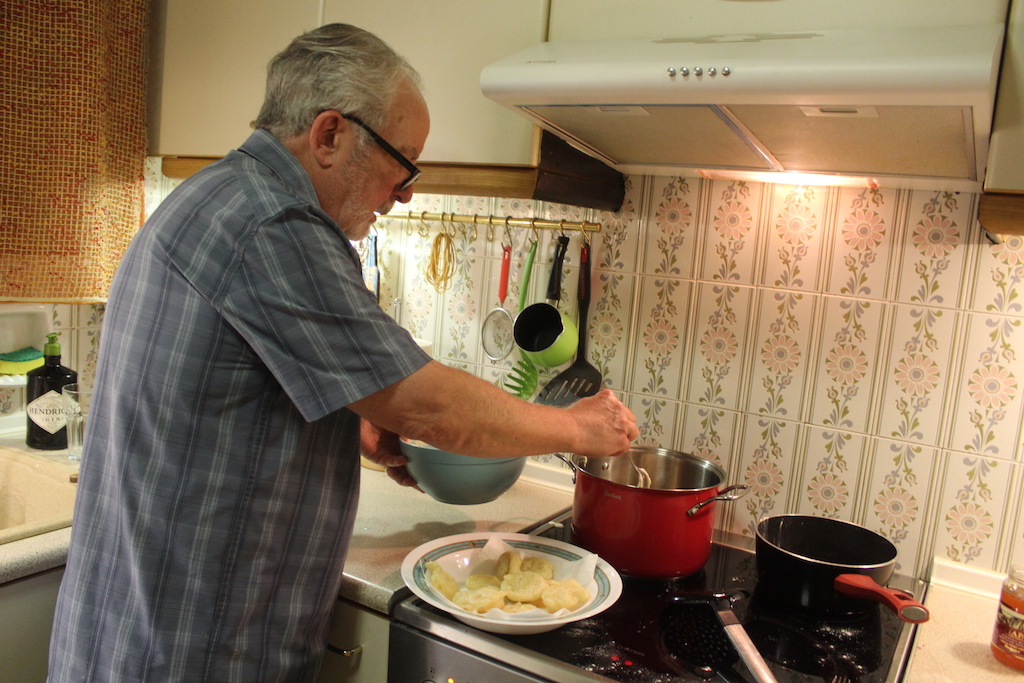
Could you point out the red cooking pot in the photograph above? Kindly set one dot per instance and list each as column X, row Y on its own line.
column 829, row 566
column 648, row 513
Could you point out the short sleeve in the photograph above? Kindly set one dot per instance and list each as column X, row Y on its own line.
column 298, row 298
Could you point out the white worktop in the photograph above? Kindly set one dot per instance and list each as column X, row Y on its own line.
column 953, row 645
column 393, row 520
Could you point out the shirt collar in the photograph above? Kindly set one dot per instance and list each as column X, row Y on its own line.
column 267, row 149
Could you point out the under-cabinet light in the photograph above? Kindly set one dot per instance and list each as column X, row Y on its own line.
column 786, row 178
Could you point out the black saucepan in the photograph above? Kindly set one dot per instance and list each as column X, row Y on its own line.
column 829, row 566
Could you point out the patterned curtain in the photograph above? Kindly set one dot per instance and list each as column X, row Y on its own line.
column 72, row 144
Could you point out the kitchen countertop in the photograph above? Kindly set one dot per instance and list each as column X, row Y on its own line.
column 953, row 645
column 393, row 520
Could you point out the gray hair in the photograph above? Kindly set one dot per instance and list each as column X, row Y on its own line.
column 335, row 66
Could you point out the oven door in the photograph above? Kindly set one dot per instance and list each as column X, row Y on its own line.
column 416, row 657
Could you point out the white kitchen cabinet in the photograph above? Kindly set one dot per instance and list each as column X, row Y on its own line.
column 208, row 66
column 363, row 635
column 1005, row 167
column 613, row 19
column 1001, row 209
column 208, row 71
column 26, row 618
column 449, row 42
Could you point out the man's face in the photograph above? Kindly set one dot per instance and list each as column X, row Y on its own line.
column 371, row 182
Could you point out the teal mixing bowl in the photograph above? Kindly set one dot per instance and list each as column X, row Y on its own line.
column 460, row 479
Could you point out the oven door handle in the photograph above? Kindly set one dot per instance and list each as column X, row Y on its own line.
column 345, row 653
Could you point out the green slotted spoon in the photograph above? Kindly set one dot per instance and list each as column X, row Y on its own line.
column 523, row 378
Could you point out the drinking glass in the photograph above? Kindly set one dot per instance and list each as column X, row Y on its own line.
column 76, row 410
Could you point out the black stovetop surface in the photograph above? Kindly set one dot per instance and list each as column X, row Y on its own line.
column 645, row 636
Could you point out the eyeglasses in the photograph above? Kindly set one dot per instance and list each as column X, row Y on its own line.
column 414, row 172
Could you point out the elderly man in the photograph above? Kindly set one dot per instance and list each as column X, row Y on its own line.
column 243, row 363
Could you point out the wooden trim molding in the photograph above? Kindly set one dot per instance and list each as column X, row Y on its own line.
column 1002, row 213
column 180, row 168
column 563, row 175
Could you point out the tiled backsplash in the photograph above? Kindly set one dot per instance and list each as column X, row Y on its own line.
column 844, row 352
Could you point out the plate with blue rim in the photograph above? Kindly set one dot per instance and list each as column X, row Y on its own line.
column 459, row 555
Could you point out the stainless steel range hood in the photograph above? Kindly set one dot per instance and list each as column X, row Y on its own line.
column 905, row 107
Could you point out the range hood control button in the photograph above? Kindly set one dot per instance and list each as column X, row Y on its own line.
column 697, row 71
column 711, row 71
column 684, row 71
column 726, row 71
column 671, row 71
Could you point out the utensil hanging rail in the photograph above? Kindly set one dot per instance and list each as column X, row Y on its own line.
column 499, row 221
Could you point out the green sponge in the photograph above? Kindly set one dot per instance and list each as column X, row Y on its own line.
column 21, row 361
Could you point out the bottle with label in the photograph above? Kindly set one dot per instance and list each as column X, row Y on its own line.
column 1008, row 636
column 47, row 426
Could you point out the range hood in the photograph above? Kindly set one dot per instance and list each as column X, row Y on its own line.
column 906, row 107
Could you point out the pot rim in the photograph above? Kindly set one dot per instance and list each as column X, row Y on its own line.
column 853, row 568
column 580, row 463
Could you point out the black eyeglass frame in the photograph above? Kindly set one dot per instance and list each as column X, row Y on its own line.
column 414, row 171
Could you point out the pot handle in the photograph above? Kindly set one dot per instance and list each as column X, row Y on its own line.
column 902, row 603
column 570, row 463
column 723, row 495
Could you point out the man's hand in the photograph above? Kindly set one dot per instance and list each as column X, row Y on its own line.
column 606, row 426
column 381, row 446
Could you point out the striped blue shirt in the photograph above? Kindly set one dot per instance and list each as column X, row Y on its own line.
column 220, row 476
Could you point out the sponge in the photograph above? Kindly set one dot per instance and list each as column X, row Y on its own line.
column 21, row 361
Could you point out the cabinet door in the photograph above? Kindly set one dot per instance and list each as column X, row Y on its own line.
column 26, row 618
column 629, row 19
column 450, row 42
column 363, row 635
column 1005, row 170
column 209, row 68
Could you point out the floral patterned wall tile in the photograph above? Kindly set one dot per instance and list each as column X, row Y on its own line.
column 896, row 497
column 987, row 401
column 609, row 326
column 657, row 418
column 919, row 361
column 827, row 484
column 783, row 344
column 768, row 459
column 730, row 248
column 662, row 333
column 933, row 267
column 848, row 352
column 862, row 250
column 616, row 246
column 797, row 235
column 670, row 238
column 723, row 341
column 711, row 433
column 972, row 508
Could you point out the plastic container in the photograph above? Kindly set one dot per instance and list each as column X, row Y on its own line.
column 1008, row 635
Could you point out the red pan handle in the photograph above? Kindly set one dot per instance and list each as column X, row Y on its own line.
column 506, row 258
column 902, row 603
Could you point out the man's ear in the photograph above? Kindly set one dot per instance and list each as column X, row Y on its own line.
column 331, row 138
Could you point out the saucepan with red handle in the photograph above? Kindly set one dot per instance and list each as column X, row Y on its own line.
column 828, row 566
